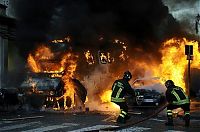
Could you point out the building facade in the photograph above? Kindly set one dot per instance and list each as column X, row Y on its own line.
column 7, row 32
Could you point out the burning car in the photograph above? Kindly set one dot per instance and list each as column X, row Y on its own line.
column 43, row 89
column 38, row 83
column 51, row 80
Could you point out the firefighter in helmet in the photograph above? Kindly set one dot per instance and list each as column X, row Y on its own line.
column 119, row 89
column 176, row 98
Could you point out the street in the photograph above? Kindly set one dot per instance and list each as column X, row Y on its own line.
column 40, row 121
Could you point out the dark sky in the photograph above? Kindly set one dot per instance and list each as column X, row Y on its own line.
column 142, row 23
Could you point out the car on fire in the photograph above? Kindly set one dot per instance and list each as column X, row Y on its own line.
column 146, row 95
column 42, row 89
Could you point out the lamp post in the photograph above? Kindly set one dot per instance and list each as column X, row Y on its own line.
column 189, row 53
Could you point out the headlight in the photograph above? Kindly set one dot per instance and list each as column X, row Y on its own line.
column 51, row 92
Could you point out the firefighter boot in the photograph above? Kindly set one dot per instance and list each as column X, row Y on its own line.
column 187, row 120
column 170, row 122
column 121, row 120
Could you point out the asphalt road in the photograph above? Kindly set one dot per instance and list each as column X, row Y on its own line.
column 37, row 121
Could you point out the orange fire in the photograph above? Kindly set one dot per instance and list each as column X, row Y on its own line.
column 69, row 62
column 173, row 63
column 43, row 61
column 66, row 39
column 89, row 57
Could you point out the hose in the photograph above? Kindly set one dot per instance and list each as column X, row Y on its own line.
column 136, row 122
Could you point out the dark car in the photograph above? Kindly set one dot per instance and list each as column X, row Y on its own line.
column 146, row 95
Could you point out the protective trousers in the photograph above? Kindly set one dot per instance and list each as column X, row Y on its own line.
column 185, row 107
column 123, row 116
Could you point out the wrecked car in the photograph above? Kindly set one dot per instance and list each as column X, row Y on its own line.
column 41, row 89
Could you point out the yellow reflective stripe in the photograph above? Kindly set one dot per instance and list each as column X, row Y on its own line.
column 117, row 99
column 123, row 112
column 169, row 110
column 185, row 101
column 120, row 84
column 118, row 92
column 122, row 115
column 187, row 113
column 114, row 86
column 176, row 95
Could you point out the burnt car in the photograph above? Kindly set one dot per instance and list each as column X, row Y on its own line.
column 42, row 89
column 40, row 84
column 146, row 94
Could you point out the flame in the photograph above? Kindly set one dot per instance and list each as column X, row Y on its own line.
column 174, row 63
column 42, row 61
column 33, row 64
column 69, row 61
column 66, row 39
column 110, row 58
column 122, row 56
column 89, row 57
column 103, row 58
column 106, row 96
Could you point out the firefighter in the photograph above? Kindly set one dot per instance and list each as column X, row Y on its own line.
column 119, row 89
column 176, row 98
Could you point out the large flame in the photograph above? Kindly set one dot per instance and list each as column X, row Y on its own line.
column 43, row 60
column 69, row 62
column 173, row 64
column 174, row 61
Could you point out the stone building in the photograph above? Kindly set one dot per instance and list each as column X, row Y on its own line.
column 7, row 33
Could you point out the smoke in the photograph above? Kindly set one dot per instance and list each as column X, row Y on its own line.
column 140, row 22
column 99, row 81
column 185, row 12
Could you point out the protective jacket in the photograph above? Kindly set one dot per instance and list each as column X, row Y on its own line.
column 119, row 89
column 176, row 96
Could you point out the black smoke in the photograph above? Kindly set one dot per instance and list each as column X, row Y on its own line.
column 143, row 23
